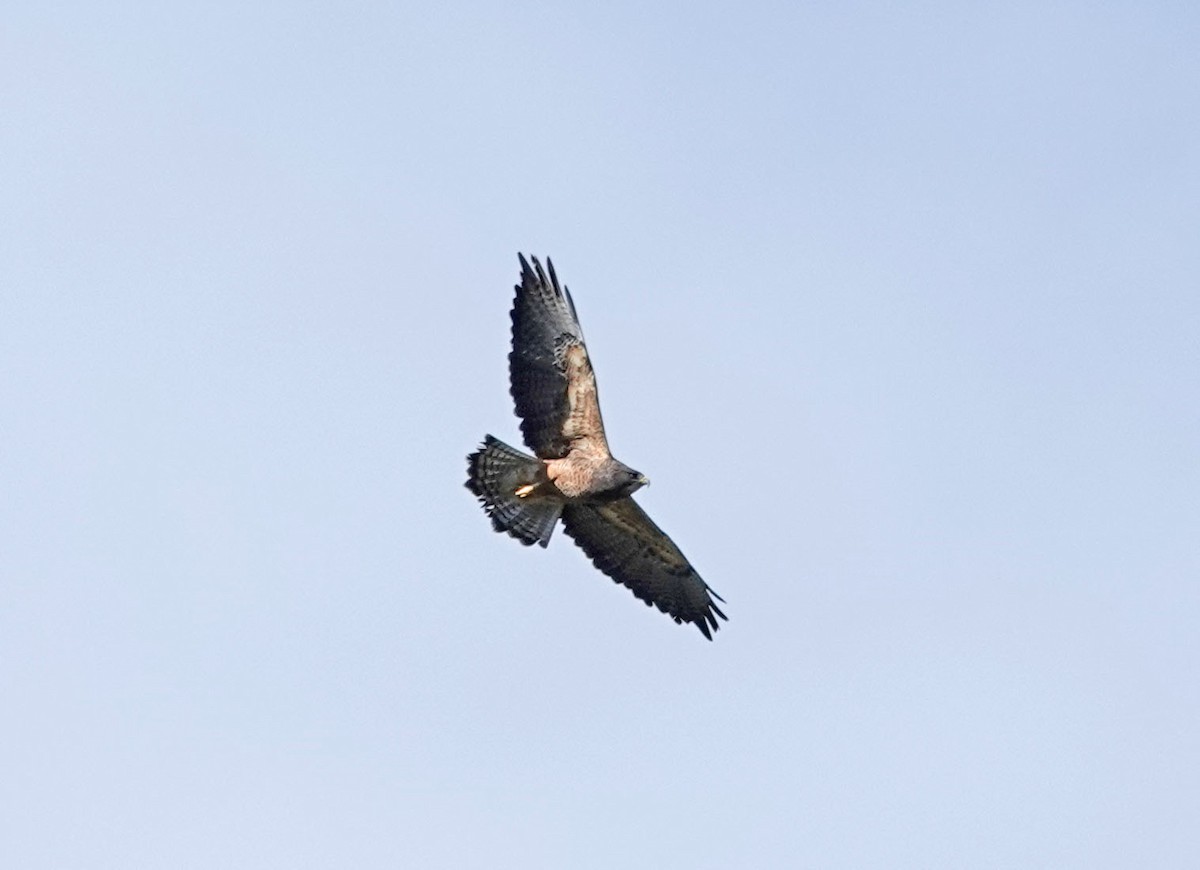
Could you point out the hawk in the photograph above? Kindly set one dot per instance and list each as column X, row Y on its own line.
column 573, row 477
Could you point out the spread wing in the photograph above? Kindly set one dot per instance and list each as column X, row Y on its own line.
column 552, row 380
column 626, row 545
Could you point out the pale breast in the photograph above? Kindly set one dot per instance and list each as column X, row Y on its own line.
column 574, row 476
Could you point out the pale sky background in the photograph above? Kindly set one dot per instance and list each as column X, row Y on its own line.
column 898, row 306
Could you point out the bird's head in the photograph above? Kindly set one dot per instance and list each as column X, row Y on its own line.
column 632, row 481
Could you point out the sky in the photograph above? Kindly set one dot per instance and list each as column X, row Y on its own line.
column 896, row 304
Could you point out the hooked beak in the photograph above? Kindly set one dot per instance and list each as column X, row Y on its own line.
column 643, row 480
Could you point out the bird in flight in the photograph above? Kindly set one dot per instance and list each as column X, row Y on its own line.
column 572, row 476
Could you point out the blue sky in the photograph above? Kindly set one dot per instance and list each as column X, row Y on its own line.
column 897, row 305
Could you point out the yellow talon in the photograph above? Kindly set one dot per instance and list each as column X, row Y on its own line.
column 523, row 491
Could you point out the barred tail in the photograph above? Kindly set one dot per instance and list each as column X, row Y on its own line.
column 494, row 473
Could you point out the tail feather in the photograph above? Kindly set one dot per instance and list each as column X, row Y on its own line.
column 494, row 472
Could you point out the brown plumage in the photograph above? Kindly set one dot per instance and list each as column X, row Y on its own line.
column 573, row 476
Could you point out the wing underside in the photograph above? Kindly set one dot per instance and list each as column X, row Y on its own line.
column 552, row 382
column 624, row 543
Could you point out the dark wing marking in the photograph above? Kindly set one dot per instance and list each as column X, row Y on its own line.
column 552, row 381
column 624, row 543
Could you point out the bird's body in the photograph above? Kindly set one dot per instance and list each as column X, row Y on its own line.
column 573, row 476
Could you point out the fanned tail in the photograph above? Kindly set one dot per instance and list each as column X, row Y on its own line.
column 494, row 473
